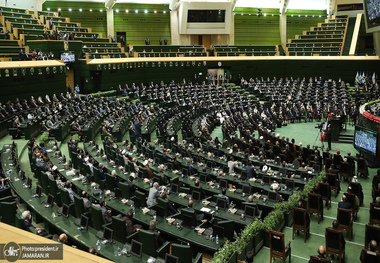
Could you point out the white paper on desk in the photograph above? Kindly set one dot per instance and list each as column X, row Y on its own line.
column 75, row 179
column 205, row 209
column 49, row 150
column 70, row 173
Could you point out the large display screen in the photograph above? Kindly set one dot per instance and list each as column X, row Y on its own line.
column 365, row 140
column 372, row 11
column 68, row 57
column 206, row 16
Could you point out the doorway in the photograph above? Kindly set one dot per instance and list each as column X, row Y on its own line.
column 121, row 38
column 70, row 77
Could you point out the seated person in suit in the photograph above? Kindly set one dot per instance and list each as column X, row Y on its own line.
column 344, row 203
column 132, row 187
column 152, row 228
column 172, row 210
column 223, row 194
column 86, row 202
column 63, row 239
column 153, row 194
column 107, row 218
column 251, row 173
column 372, row 246
column 27, row 217
column 321, row 252
column 200, row 217
column 132, row 228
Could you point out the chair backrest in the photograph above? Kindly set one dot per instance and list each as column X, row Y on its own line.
column 229, row 228
column 370, row 256
column 345, row 168
column 150, row 242
column 125, row 190
column 344, row 216
column 119, row 229
column 324, row 189
column 331, row 179
column 141, row 197
column 54, row 190
column 96, row 217
column 110, row 182
column 313, row 201
column 79, row 206
column 374, row 212
column 372, row 233
column 299, row 216
column 65, row 197
column 355, row 188
column 8, row 212
column 96, row 175
column 277, row 241
column 183, row 253
column 164, row 204
column 351, row 198
column 333, row 238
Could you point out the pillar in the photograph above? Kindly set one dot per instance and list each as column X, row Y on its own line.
column 110, row 23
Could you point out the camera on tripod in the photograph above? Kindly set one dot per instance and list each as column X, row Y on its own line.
column 319, row 126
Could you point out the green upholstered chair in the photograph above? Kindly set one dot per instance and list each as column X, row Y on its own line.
column 119, row 229
column 185, row 254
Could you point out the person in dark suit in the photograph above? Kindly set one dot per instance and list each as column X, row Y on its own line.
column 335, row 227
column 152, row 228
column 251, row 173
column 132, row 228
column 86, row 202
column 132, row 187
column 328, row 136
column 344, row 203
column 27, row 217
column 172, row 210
column 200, row 217
column 107, row 218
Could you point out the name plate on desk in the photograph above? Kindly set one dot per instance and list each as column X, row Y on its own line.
column 206, row 203
column 124, row 201
column 200, row 231
column 182, row 195
column 258, row 196
column 191, row 178
column 232, row 190
column 211, row 183
column 171, row 221
column 146, row 180
column 145, row 210
column 233, row 211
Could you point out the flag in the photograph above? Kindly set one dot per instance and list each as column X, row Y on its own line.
column 357, row 77
column 360, row 78
column 374, row 78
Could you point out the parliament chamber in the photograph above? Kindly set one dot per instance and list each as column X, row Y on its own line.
column 190, row 131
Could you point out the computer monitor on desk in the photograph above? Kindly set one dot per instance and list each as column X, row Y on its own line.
column 29, row 183
column 203, row 178
column 174, row 188
column 250, row 211
column 196, row 195
column 49, row 201
column 171, row 259
column 38, row 190
column 108, row 234
column 283, row 172
column 246, row 189
column 223, row 183
column 84, row 222
column 221, row 203
column 65, row 210
column 218, row 231
column 272, row 196
column 266, row 179
column 290, row 184
column 136, row 248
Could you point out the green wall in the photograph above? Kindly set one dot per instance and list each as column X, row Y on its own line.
column 96, row 20
column 141, row 25
column 296, row 25
column 24, row 86
column 257, row 30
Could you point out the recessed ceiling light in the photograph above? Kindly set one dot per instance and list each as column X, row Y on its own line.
column 117, row 10
column 320, row 16
column 70, row 9
column 155, row 11
column 272, row 14
column 90, row 10
column 80, row 9
column 313, row 15
column 127, row 11
column 292, row 15
column 48, row 9
column 299, row 15
column 242, row 14
column 146, row 11
column 265, row 14
column 305, row 15
column 101, row 10
column 164, row 12
column 59, row 9
column 136, row 11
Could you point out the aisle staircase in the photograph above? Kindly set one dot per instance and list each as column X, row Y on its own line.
column 327, row 39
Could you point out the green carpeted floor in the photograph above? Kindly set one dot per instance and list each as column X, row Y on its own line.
column 307, row 134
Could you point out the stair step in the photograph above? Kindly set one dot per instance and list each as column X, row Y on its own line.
column 345, row 141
